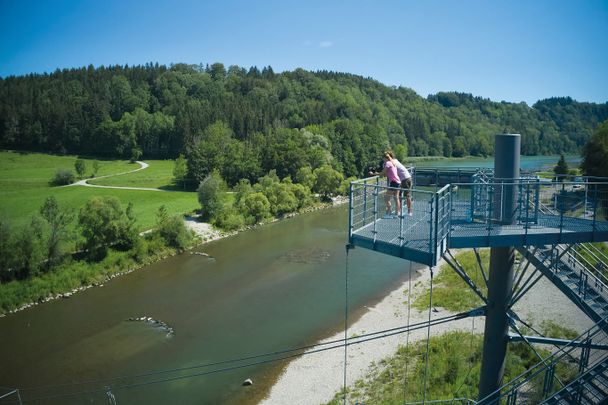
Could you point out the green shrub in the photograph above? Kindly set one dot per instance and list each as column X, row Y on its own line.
column 81, row 167
column 210, row 193
column 256, row 207
column 327, row 181
column 63, row 177
column 104, row 222
column 175, row 233
column 228, row 218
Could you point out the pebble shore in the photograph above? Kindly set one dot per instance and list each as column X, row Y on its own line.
column 316, row 378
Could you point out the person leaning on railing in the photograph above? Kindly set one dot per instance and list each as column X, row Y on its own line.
column 390, row 171
column 406, row 181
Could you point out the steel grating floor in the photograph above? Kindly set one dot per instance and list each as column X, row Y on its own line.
column 410, row 237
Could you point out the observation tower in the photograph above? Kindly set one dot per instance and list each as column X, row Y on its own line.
column 548, row 225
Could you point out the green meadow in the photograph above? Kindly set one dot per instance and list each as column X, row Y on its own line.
column 158, row 175
column 25, row 177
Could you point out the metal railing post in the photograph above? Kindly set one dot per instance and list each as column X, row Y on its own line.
column 585, row 354
column 350, row 210
column 450, row 207
column 594, row 211
column 561, row 215
column 474, row 191
column 436, row 244
column 537, row 201
column 585, row 207
column 431, row 226
column 376, row 189
column 401, row 238
column 364, row 201
column 512, row 398
column 548, row 382
column 489, row 208
column 518, row 217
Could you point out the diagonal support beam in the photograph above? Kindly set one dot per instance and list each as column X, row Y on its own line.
column 521, row 273
column 527, row 286
column 525, row 339
column 457, row 267
column 556, row 342
column 480, row 263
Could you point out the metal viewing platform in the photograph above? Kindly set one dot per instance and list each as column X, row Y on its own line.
column 547, row 224
column 468, row 215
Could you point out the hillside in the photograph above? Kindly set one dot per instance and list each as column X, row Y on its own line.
column 257, row 120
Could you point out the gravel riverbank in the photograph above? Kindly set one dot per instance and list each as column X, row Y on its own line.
column 316, row 378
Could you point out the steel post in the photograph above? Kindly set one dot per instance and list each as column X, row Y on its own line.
column 500, row 283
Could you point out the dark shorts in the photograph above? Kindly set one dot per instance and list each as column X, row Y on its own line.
column 406, row 185
column 394, row 184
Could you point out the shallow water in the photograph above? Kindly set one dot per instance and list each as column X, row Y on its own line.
column 526, row 162
column 275, row 287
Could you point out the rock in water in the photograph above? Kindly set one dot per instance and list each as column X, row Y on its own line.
column 247, row 382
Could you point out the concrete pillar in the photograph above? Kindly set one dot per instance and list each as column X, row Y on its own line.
column 500, row 283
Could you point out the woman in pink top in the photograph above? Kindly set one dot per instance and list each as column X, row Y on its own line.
column 390, row 171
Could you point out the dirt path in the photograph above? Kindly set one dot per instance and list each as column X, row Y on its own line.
column 142, row 166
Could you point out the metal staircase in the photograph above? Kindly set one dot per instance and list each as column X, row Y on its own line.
column 586, row 289
column 591, row 387
column 575, row 374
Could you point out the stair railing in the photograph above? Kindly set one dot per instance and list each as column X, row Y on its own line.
column 543, row 379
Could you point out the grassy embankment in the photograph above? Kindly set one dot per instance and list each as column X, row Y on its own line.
column 454, row 358
column 24, row 185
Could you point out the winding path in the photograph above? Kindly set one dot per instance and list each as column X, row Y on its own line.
column 142, row 166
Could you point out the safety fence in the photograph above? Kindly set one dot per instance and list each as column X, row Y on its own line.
column 518, row 212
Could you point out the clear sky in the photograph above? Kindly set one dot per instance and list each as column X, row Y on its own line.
column 503, row 50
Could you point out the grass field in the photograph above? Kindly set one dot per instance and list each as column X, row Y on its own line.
column 24, row 185
column 158, row 175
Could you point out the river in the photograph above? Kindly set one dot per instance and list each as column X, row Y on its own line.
column 275, row 287
column 526, row 162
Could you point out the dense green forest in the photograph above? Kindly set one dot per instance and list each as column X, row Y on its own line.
column 245, row 123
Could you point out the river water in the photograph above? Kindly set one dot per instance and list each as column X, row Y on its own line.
column 275, row 287
column 526, row 162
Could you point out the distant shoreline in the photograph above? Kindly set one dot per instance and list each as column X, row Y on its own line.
column 205, row 231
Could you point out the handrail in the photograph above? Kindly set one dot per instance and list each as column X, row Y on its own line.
column 603, row 283
column 362, row 182
column 543, row 365
column 597, row 252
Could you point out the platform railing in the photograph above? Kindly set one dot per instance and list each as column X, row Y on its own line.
column 485, row 202
column 555, row 371
column 370, row 219
column 438, row 176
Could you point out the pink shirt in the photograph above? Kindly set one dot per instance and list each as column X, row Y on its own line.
column 391, row 172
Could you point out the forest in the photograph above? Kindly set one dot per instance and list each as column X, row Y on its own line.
column 246, row 122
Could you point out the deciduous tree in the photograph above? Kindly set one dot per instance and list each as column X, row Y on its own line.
column 58, row 220
column 105, row 223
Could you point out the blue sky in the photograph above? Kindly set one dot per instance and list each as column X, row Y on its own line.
column 503, row 50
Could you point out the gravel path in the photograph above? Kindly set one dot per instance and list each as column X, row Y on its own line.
column 142, row 166
column 316, row 378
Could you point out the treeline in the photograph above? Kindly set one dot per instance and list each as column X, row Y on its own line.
column 271, row 197
column 248, row 122
column 57, row 240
